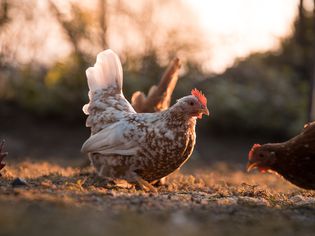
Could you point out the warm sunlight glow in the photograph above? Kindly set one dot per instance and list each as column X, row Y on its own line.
column 214, row 32
column 236, row 28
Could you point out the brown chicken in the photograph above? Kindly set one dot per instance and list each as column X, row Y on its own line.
column 2, row 156
column 159, row 96
column 293, row 159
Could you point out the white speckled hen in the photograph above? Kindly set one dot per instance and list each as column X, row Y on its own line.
column 138, row 147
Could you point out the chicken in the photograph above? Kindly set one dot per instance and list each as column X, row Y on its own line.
column 293, row 159
column 2, row 156
column 159, row 96
column 138, row 147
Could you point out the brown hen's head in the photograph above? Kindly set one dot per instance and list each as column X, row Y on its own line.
column 194, row 105
column 262, row 157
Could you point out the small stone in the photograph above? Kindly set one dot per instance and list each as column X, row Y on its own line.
column 136, row 201
column 19, row 182
column 111, row 193
column 296, row 199
column 174, row 197
column 300, row 200
column 204, row 201
column 307, row 202
column 227, row 201
column 48, row 184
column 250, row 201
column 152, row 194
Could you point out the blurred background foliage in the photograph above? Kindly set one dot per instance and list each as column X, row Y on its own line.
column 269, row 93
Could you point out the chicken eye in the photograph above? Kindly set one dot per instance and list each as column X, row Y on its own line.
column 191, row 103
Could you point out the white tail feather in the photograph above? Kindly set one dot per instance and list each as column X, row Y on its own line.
column 106, row 72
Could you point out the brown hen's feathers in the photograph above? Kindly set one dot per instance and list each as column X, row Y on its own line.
column 295, row 158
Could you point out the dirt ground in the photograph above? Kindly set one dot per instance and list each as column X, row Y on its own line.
column 211, row 195
column 219, row 201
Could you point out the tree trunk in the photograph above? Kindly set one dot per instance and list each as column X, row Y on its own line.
column 103, row 23
column 311, row 104
column 4, row 18
column 66, row 28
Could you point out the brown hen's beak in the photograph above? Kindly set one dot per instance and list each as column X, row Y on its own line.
column 251, row 165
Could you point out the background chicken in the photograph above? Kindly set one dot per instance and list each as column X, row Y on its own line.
column 293, row 159
column 138, row 147
column 2, row 156
column 159, row 96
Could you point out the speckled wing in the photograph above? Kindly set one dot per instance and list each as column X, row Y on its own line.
column 106, row 109
column 114, row 139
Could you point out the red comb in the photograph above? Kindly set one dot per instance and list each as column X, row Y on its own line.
column 251, row 152
column 199, row 95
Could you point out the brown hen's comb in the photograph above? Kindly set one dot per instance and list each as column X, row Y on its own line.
column 251, row 152
column 200, row 96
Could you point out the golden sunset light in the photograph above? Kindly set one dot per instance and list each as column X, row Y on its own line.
column 230, row 29
column 157, row 117
column 237, row 28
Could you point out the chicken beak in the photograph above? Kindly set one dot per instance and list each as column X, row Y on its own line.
column 251, row 165
column 205, row 111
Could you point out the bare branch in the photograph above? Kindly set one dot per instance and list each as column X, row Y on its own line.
column 66, row 26
column 4, row 18
column 103, row 23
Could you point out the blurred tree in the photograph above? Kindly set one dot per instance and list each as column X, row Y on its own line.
column 311, row 107
column 253, row 96
column 103, row 23
column 300, row 32
column 147, row 35
column 4, row 16
column 75, row 28
column 149, row 42
column 305, row 37
column 297, row 53
column 59, row 87
column 277, row 85
column 19, row 14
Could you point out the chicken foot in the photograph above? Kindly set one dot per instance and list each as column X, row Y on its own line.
column 145, row 184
